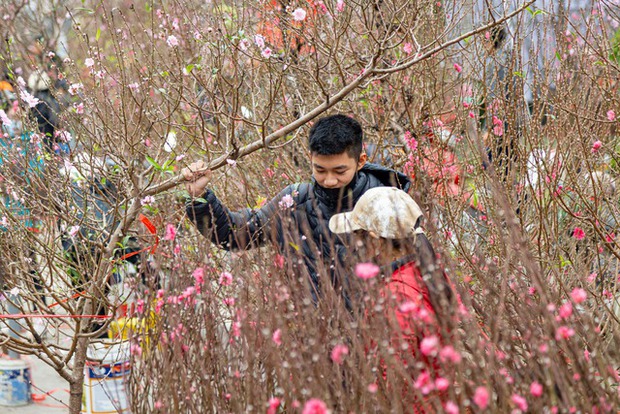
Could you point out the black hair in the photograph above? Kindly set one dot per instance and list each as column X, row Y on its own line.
column 335, row 135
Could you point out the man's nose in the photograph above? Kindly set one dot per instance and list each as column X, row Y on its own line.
column 330, row 181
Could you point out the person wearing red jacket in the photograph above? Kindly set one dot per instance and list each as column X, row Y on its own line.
column 385, row 225
column 387, row 221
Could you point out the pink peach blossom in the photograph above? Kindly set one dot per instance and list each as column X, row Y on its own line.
column 171, row 232
column 266, row 53
column 274, row 403
column 564, row 332
column 226, row 279
column 578, row 295
column 536, row 389
column 566, row 310
column 199, row 274
column 366, row 270
column 481, row 397
column 172, row 41
column 448, row 353
column 424, row 383
column 519, row 401
column 314, row 406
column 451, row 408
column 30, row 100
column 4, row 118
column 339, row 352
column 442, row 384
column 299, row 14
column 429, row 345
column 259, row 40
column 578, row 233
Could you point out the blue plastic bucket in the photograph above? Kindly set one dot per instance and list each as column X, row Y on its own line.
column 14, row 383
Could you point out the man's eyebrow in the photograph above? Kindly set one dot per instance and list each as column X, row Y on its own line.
column 339, row 167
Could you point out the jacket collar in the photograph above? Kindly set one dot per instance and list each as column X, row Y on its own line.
column 369, row 176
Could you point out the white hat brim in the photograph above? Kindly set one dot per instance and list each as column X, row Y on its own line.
column 343, row 223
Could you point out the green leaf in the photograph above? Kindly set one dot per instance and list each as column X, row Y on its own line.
column 189, row 68
column 168, row 166
column 85, row 9
column 518, row 74
column 153, row 163
column 558, row 56
column 535, row 13
column 122, row 243
column 472, row 186
column 98, row 34
column 152, row 210
column 564, row 262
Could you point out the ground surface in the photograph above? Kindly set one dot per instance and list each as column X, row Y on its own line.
column 44, row 380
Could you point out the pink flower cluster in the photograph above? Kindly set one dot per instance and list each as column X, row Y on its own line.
column 366, row 270
column 338, row 353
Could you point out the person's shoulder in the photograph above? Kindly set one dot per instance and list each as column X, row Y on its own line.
column 380, row 176
column 300, row 192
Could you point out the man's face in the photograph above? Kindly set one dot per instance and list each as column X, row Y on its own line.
column 335, row 171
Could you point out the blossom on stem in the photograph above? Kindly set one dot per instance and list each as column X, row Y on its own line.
column 366, row 270
column 339, row 352
column 481, row 397
column 299, row 14
column 578, row 233
column 172, row 41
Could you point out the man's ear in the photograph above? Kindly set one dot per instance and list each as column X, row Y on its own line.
column 362, row 161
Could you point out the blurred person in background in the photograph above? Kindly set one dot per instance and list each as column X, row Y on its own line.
column 21, row 165
column 45, row 85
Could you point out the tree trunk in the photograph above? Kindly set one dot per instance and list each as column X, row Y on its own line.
column 76, row 385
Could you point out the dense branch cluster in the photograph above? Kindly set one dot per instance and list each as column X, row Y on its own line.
column 504, row 115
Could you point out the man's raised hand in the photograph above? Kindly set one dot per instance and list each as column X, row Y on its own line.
column 197, row 176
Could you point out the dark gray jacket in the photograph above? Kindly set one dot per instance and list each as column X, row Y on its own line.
column 299, row 229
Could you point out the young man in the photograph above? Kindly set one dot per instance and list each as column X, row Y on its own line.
column 299, row 215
